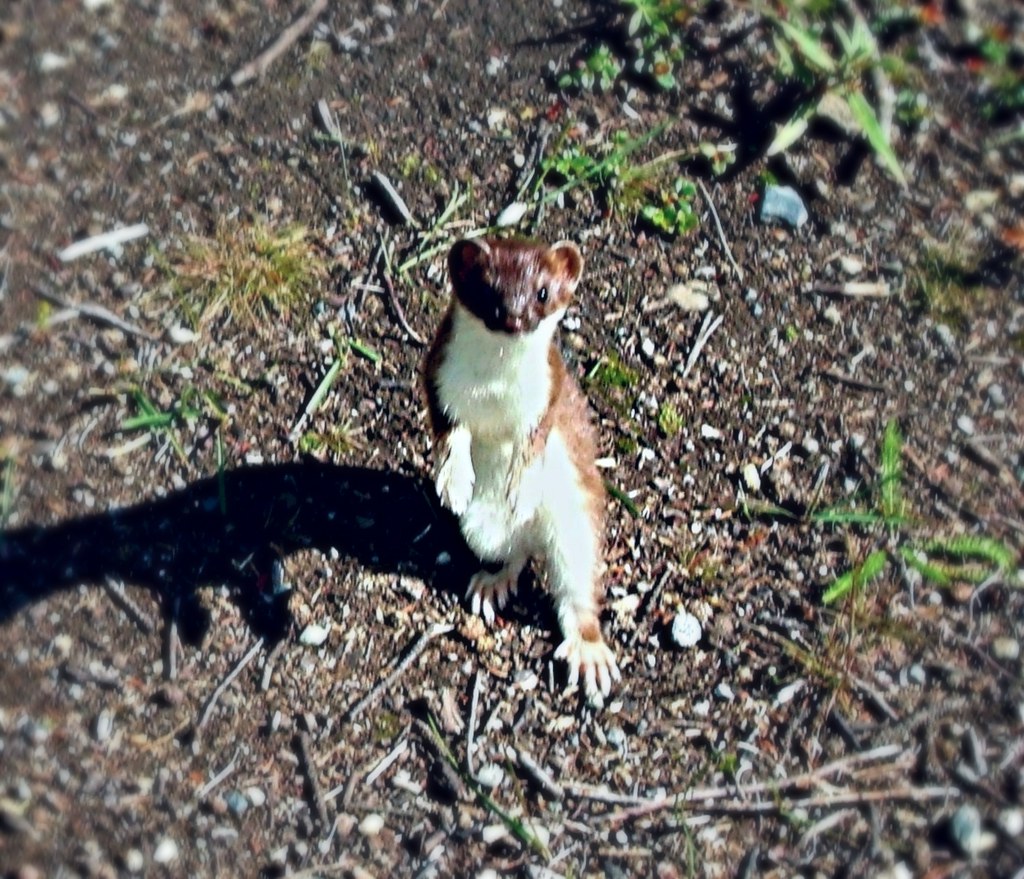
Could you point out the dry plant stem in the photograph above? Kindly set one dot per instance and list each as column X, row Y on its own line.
column 396, row 306
column 825, row 801
column 721, row 231
column 96, row 313
column 692, row 797
column 115, row 589
column 308, row 767
column 543, row 780
column 471, row 725
column 171, row 641
column 235, row 672
column 856, row 289
column 385, row 764
column 258, row 66
column 205, row 790
column 710, row 324
column 103, row 241
column 451, row 776
column 345, row 865
column 268, row 666
column 852, row 382
column 417, row 648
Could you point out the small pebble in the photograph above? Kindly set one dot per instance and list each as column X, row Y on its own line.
column 511, row 215
column 688, row 297
column 166, row 851
column 314, row 635
column 783, row 203
column 686, row 630
column 965, row 830
column 180, row 335
column 1012, row 821
column 724, row 692
column 104, row 725
column 236, row 803
column 709, row 432
column 966, row 424
column 917, row 674
column 490, row 775
column 751, row 477
column 134, row 860
column 255, row 796
column 946, row 337
column 1005, row 649
column 371, row 825
column 996, row 396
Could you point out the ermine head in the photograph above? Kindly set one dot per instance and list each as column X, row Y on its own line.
column 512, row 285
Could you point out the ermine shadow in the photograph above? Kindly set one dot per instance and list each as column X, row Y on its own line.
column 230, row 530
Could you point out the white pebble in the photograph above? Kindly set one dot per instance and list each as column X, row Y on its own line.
column 314, row 635
column 511, row 215
column 371, row 825
column 490, row 776
column 709, row 432
column 751, row 477
column 255, row 795
column 166, row 851
column 688, row 297
column 724, row 692
column 1012, row 821
column 966, row 424
column 134, row 860
column 1005, row 649
column 686, row 630
column 180, row 335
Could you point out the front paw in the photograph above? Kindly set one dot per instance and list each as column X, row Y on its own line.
column 591, row 660
column 455, row 477
column 489, row 592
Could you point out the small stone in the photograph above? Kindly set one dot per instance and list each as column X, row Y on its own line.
column 1011, row 821
column 166, row 851
column 314, row 635
column 851, row 264
column 371, row 825
column 492, row 833
column 686, row 629
column 709, row 432
column 995, row 395
column 1005, row 649
column 180, row 335
column 511, row 215
column 917, row 674
column 134, row 860
column 751, row 477
column 946, row 337
column 965, row 424
column 647, row 347
column 255, row 796
column 490, row 775
column 724, row 692
column 103, row 726
column 966, row 833
column 783, row 203
column 236, row 803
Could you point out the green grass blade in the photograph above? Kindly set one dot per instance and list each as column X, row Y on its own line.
column 857, row 577
column 364, row 350
column 148, row 421
column 865, row 116
column 892, row 472
column 970, row 547
column 847, row 517
column 930, row 571
column 322, row 389
column 809, row 46
column 623, row 499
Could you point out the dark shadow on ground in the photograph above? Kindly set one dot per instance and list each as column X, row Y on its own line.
column 232, row 531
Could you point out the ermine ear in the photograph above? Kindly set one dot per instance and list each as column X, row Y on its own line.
column 566, row 262
column 467, row 258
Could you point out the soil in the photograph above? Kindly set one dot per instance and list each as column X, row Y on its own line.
column 230, row 652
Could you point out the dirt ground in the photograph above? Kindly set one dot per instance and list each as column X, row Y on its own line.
column 234, row 637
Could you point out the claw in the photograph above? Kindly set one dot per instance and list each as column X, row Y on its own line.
column 490, row 592
column 596, row 662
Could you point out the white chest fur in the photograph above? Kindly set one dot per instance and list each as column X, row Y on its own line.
column 496, row 385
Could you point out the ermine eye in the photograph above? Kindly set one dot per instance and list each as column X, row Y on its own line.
column 542, row 295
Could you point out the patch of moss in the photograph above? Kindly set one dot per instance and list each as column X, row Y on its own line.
column 670, row 422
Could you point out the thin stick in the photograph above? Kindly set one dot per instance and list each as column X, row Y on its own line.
column 115, row 590
column 706, row 329
column 258, row 66
column 805, row 779
column 385, row 764
column 97, row 313
column 826, row 801
column 417, row 648
column 217, row 779
column 721, row 231
column 389, row 288
column 235, row 672
column 540, row 775
column 852, row 382
column 171, row 641
column 856, row 289
column 309, row 770
column 471, row 725
column 103, row 241
column 268, row 666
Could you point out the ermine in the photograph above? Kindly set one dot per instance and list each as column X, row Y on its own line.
column 513, row 444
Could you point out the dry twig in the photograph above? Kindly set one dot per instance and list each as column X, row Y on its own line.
column 259, row 65
column 396, row 306
column 417, row 648
column 136, row 614
column 235, row 672
column 96, row 313
column 721, row 231
column 710, row 324
column 308, row 767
